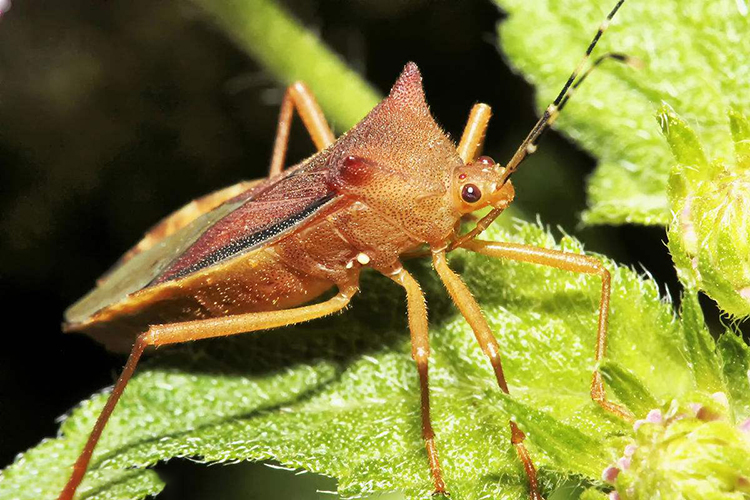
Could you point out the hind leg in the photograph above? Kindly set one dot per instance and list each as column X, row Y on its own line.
column 299, row 96
column 159, row 335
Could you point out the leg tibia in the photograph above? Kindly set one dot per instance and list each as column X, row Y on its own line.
column 472, row 138
column 576, row 263
column 420, row 343
column 299, row 96
column 174, row 333
column 470, row 310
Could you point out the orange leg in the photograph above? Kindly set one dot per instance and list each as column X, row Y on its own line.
column 472, row 139
column 174, row 333
column 529, row 144
column 420, row 352
column 470, row 310
column 298, row 95
column 570, row 262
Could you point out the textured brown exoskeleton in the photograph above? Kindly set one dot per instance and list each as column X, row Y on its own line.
column 248, row 257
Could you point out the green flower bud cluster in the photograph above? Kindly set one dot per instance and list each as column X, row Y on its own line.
column 688, row 451
column 709, row 237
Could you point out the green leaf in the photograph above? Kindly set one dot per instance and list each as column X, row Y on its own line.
column 701, row 348
column 37, row 474
column 740, row 126
column 628, row 388
column 683, row 141
column 692, row 164
column 736, row 367
column 340, row 396
column 708, row 237
column 696, row 58
column 568, row 447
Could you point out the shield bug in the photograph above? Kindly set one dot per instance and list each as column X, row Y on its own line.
column 252, row 256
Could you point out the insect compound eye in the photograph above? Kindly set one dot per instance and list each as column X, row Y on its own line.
column 470, row 193
column 485, row 161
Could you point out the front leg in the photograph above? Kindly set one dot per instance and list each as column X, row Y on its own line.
column 569, row 262
column 470, row 310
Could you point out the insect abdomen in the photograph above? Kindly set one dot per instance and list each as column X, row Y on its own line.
column 256, row 281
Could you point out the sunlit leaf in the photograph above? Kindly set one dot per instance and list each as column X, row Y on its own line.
column 340, row 396
column 696, row 57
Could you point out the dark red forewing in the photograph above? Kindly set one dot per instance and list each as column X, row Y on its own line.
column 268, row 213
column 238, row 225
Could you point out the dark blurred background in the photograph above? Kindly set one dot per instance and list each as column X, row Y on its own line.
column 113, row 114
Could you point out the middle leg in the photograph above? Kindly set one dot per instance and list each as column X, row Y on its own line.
column 470, row 310
column 420, row 352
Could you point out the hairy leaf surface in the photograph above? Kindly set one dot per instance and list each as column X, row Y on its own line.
column 340, row 396
column 696, row 57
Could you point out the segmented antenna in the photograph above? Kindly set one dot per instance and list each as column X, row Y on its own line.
column 529, row 144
